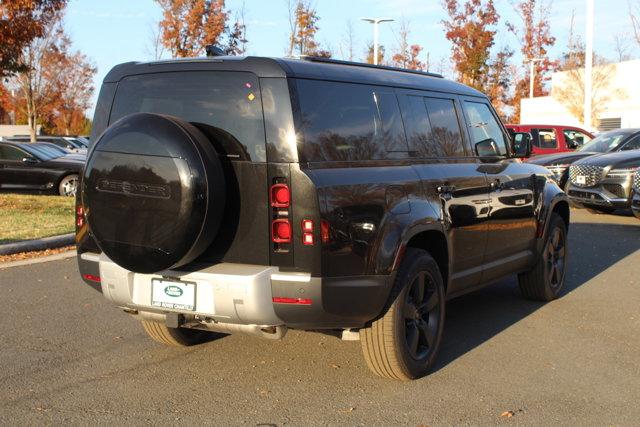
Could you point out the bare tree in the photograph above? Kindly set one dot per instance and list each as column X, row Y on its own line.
column 634, row 15
column 348, row 42
column 570, row 92
column 621, row 47
column 293, row 25
column 155, row 48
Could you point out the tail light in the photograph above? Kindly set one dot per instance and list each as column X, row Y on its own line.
column 281, row 231
column 324, row 231
column 79, row 216
column 280, row 196
column 307, row 232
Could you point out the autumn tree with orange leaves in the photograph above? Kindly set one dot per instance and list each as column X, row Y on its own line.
column 303, row 21
column 188, row 26
column 381, row 52
column 55, row 87
column 535, row 40
column 21, row 21
column 470, row 29
column 407, row 55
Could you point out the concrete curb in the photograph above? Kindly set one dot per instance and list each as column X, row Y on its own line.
column 38, row 260
column 38, row 244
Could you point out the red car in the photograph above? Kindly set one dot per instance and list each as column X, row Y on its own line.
column 548, row 139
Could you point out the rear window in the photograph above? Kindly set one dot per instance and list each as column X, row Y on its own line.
column 225, row 105
column 345, row 121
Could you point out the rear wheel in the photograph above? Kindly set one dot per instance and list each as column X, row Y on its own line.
column 404, row 343
column 68, row 185
column 544, row 281
column 179, row 337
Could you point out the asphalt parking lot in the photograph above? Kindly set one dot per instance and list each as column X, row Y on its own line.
column 69, row 357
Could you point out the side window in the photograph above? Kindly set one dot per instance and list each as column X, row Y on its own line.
column 344, row 122
column 633, row 144
column 445, row 129
column 546, row 138
column 432, row 126
column 574, row 138
column 485, row 130
column 11, row 153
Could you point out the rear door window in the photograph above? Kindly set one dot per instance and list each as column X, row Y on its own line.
column 432, row 126
column 226, row 106
column 347, row 122
column 545, row 138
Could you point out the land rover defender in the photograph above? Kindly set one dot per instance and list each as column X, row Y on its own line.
column 257, row 195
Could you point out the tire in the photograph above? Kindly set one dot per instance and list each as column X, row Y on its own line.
column 154, row 192
column 600, row 211
column 385, row 343
column 68, row 185
column 179, row 337
column 545, row 280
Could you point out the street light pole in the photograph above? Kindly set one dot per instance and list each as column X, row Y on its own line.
column 376, row 22
column 532, row 76
column 588, row 66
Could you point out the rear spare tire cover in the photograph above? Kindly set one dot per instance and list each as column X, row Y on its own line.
column 154, row 192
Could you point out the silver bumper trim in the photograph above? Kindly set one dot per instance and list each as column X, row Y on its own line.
column 225, row 293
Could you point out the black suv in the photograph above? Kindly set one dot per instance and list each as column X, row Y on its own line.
column 255, row 195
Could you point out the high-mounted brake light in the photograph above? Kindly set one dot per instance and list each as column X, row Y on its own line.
column 281, row 231
column 280, row 196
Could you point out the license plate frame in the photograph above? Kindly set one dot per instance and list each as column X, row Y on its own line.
column 173, row 294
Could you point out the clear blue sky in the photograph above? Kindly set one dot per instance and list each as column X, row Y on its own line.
column 114, row 31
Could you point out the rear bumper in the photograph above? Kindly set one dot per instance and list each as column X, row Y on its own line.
column 239, row 294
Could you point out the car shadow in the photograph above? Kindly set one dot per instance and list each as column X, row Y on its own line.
column 477, row 317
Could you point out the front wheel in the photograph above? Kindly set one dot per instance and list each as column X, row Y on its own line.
column 68, row 185
column 545, row 280
column 403, row 344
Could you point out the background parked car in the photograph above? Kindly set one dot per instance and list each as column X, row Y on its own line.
column 635, row 203
column 612, row 141
column 603, row 183
column 60, row 141
column 35, row 167
column 548, row 139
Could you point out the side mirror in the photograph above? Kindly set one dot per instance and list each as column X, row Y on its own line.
column 487, row 148
column 521, row 144
column 30, row 160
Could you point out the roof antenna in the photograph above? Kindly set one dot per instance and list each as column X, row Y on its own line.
column 213, row 50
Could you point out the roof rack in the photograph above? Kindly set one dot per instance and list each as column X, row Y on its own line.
column 366, row 65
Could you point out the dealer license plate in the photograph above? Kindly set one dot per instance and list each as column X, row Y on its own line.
column 173, row 295
column 581, row 179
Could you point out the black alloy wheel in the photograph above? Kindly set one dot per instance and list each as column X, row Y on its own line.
column 421, row 316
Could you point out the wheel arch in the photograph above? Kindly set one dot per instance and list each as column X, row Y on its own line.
column 432, row 240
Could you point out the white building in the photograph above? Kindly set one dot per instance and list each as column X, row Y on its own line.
column 620, row 95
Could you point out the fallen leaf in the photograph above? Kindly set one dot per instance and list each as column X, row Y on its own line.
column 507, row 414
